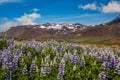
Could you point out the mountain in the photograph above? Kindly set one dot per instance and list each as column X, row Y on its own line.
column 47, row 30
column 44, row 31
column 107, row 30
column 115, row 21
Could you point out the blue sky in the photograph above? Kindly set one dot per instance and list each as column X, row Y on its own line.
column 25, row 12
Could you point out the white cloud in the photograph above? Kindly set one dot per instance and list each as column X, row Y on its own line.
column 28, row 19
column 90, row 6
column 112, row 7
column 7, row 25
column 35, row 10
column 4, row 19
column 9, row 1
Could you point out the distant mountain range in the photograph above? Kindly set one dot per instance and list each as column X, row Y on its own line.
column 63, row 31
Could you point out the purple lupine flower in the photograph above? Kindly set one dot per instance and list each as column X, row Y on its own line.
column 15, row 63
column 74, row 59
column 8, row 57
column 47, row 68
column 31, row 55
column 57, row 57
column 43, row 53
column 17, row 53
column 61, row 51
column 61, row 69
column 105, row 67
column 109, row 57
column 113, row 63
column 46, row 71
column 117, row 69
column 66, row 57
column 102, row 76
column 103, row 58
column 33, row 69
column 25, row 71
column 23, row 49
column 61, row 72
column 82, row 62
column 43, row 73
column 58, row 49
column 9, row 65
column 10, row 42
column 83, row 51
column 72, row 47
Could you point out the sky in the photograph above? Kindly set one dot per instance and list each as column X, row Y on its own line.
column 32, row 12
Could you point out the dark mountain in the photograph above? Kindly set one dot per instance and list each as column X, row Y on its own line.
column 115, row 21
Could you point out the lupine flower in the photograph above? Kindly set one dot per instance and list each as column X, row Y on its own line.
column 103, row 58
column 17, row 53
column 45, row 71
column 66, row 57
column 61, row 72
column 61, row 51
column 74, row 59
column 113, row 63
column 43, row 53
column 25, row 71
column 105, row 67
column 82, row 62
column 117, row 70
column 42, row 74
column 29, row 55
column 58, row 49
column 102, row 76
column 57, row 57
column 23, row 48
column 33, row 68
column 15, row 62
column 61, row 69
column 9, row 65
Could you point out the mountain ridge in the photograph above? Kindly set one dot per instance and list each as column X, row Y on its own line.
column 62, row 31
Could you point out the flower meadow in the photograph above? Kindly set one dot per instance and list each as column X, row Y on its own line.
column 52, row 60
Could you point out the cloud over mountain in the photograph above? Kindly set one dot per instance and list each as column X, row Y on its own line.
column 9, row 1
column 28, row 19
column 90, row 6
column 7, row 25
column 112, row 7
